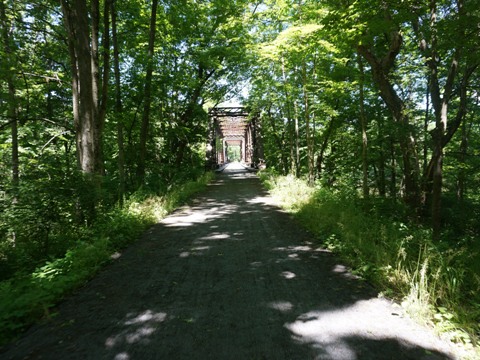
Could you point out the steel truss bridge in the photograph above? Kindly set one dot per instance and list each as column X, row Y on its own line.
column 234, row 127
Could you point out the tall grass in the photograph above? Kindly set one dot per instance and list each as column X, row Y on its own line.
column 435, row 282
column 25, row 298
column 288, row 191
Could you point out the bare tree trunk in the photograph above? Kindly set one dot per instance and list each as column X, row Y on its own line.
column 181, row 144
column 13, row 115
column 437, row 188
column 442, row 136
column 441, row 107
column 76, row 21
column 95, row 55
column 74, row 72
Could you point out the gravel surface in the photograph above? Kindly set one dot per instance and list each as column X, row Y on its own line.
column 230, row 276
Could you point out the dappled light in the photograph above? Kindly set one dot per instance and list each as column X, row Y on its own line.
column 122, row 356
column 334, row 332
column 288, row 274
column 229, row 275
column 214, row 236
column 343, row 270
column 193, row 216
column 283, row 306
column 137, row 328
column 266, row 200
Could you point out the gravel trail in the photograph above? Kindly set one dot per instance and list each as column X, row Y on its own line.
column 229, row 276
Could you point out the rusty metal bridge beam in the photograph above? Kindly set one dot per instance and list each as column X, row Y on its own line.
column 233, row 124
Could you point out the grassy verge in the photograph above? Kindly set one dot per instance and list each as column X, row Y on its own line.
column 436, row 283
column 26, row 298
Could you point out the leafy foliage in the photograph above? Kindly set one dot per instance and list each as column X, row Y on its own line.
column 27, row 297
column 435, row 281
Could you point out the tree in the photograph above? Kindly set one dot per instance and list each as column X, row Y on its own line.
column 88, row 103
column 118, row 110
column 441, row 99
column 147, row 101
column 379, row 35
column 382, row 64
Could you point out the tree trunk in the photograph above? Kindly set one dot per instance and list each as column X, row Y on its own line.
column 291, row 143
column 440, row 104
column 12, row 101
column 425, row 127
column 290, row 123
column 310, row 154
column 181, row 144
column 381, row 178
column 147, row 101
column 118, row 108
column 380, row 71
column 437, row 187
column 76, row 22
column 393, row 171
column 279, row 141
column 297, row 141
column 101, row 94
column 363, row 121
column 461, row 182
column 323, row 147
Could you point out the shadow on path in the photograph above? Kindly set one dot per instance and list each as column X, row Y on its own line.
column 229, row 276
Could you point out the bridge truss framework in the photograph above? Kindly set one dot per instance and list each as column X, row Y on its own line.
column 234, row 126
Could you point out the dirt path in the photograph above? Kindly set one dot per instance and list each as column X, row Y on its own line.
column 228, row 277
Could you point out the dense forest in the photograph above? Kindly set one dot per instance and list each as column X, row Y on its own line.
column 374, row 105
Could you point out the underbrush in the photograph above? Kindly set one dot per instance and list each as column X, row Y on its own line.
column 437, row 283
column 29, row 296
column 290, row 192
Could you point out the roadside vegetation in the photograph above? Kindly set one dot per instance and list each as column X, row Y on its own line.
column 436, row 283
column 40, row 269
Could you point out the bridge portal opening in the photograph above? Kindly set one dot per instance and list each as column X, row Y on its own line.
column 234, row 135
